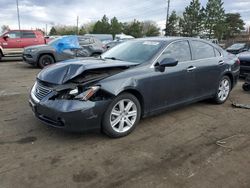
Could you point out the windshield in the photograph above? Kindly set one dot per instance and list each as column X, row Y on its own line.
column 237, row 46
column 134, row 51
column 52, row 42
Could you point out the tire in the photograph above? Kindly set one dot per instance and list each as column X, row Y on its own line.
column 246, row 87
column 117, row 122
column 45, row 60
column 1, row 55
column 223, row 90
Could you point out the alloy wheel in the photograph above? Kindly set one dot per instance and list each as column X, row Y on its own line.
column 224, row 90
column 123, row 115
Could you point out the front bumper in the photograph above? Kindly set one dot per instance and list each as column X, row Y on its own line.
column 70, row 115
column 28, row 58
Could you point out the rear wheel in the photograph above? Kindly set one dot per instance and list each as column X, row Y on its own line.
column 45, row 60
column 122, row 116
column 223, row 90
column 1, row 55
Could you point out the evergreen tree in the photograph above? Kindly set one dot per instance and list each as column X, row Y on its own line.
column 115, row 27
column 105, row 25
column 52, row 31
column 134, row 29
column 102, row 27
column 234, row 25
column 172, row 25
column 215, row 19
column 191, row 23
column 98, row 29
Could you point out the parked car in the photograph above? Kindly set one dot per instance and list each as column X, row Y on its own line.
column 14, row 41
column 135, row 79
column 123, row 37
column 244, row 58
column 104, row 38
column 237, row 48
column 113, row 44
column 62, row 48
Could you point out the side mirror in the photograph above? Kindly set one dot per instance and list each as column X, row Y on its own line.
column 166, row 62
column 6, row 36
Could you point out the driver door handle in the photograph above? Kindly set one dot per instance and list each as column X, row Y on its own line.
column 191, row 68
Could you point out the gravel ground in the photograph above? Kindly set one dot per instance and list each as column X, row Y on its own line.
column 201, row 145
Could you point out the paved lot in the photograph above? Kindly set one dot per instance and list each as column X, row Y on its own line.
column 174, row 149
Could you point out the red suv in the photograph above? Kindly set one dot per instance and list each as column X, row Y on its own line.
column 14, row 41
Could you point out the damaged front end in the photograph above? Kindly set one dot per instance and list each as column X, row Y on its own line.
column 76, row 105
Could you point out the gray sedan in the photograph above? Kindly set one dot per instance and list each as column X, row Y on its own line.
column 135, row 79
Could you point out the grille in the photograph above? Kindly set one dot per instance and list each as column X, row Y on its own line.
column 41, row 91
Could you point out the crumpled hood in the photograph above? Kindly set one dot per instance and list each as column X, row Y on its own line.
column 63, row 72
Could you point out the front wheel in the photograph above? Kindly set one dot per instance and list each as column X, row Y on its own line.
column 122, row 116
column 223, row 90
column 45, row 60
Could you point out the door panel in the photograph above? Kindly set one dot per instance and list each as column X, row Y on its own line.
column 206, row 76
column 176, row 84
column 29, row 39
column 12, row 44
column 172, row 87
column 207, row 71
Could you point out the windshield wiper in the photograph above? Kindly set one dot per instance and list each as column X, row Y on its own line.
column 113, row 58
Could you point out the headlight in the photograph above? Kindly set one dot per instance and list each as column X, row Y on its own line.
column 32, row 50
column 86, row 95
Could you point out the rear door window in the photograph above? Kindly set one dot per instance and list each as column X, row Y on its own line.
column 202, row 50
column 178, row 50
column 28, row 34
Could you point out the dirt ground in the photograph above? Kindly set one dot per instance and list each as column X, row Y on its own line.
column 202, row 145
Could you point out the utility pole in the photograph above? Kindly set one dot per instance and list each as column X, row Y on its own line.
column 168, row 8
column 77, row 21
column 18, row 17
column 46, row 29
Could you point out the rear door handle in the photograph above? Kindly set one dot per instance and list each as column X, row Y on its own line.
column 191, row 68
column 221, row 62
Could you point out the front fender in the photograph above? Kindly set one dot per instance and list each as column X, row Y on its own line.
column 116, row 87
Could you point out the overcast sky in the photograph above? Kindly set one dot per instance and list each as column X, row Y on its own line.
column 38, row 13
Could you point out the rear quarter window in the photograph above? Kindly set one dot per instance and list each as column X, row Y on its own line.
column 202, row 50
